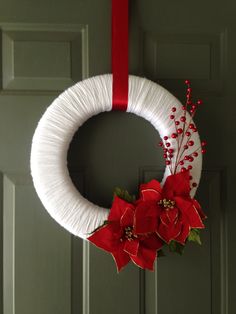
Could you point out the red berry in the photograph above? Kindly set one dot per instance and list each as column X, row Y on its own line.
column 182, row 119
column 180, row 131
column 184, row 107
column 189, row 102
column 204, row 143
column 190, row 177
column 191, row 143
column 167, row 144
column 165, row 156
column 186, row 157
column 165, row 150
column 161, row 144
column 192, row 111
column 195, row 154
column 188, row 133
column 194, row 107
column 191, row 126
column 183, row 169
column 190, row 159
column 194, row 184
column 187, row 82
column 185, row 146
column 194, row 129
column 174, row 135
column 171, row 150
column 203, row 151
column 190, row 167
column 165, row 138
column 167, row 162
column 172, row 116
column 170, row 156
column 181, row 162
column 173, row 109
column 176, row 122
column 199, row 102
column 189, row 90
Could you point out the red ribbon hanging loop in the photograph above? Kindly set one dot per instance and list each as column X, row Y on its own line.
column 120, row 52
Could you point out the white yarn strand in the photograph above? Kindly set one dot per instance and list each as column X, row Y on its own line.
column 60, row 122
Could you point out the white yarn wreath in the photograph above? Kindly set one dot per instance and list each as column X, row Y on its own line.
column 60, row 122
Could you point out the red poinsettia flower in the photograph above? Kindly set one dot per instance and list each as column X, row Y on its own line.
column 118, row 238
column 169, row 210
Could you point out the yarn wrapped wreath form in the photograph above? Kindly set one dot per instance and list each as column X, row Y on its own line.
column 62, row 119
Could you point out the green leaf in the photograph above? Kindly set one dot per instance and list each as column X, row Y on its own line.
column 160, row 253
column 124, row 194
column 106, row 222
column 194, row 236
column 176, row 247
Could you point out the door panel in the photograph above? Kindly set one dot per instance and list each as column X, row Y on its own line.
column 46, row 47
column 43, row 57
column 35, row 251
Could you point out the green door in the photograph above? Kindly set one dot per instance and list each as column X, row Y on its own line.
column 48, row 46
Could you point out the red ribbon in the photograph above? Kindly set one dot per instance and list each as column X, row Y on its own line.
column 120, row 53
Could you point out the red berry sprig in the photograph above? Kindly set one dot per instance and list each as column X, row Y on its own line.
column 182, row 135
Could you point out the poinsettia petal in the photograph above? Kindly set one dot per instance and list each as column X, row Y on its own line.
column 121, row 258
column 189, row 211
column 172, row 214
column 127, row 219
column 169, row 216
column 145, row 258
column 131, row 247
column 150, row 191
column 118, row 208
column 107, row 237
column 164, row 218
column 149, row 194
column 170, row 232
column 199, row 209
column 184, row 233
column 152, row 241
column 177, row 185
column 145, row 217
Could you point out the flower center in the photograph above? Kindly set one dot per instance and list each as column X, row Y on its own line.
column 128, row 234
column 166, row 204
